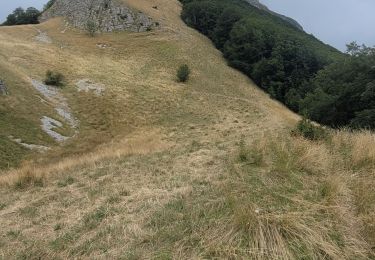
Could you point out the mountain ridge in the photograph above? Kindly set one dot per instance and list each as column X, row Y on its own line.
column 263, row 7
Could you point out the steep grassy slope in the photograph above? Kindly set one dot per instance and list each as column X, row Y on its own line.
column 162, row 170
column 141, row 67
column 20, row 110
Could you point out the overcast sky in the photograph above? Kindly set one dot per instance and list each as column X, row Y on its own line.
column 336, row 22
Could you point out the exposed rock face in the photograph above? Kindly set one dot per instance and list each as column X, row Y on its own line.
column 3, row 88
column 108, row 15
column 257, row 4
column 261, row 6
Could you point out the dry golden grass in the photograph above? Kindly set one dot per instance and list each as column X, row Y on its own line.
column 359, row 147
column 281, row 198
column 310, row 221
column 357, row 150
column 162, row 170
column 142, row 88
column 147, row 142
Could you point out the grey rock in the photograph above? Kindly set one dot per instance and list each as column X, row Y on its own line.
column 40, row 148
column 48, row 126
column 58, row 100
column 3, row 88
column 108, row 15
column 62, row 108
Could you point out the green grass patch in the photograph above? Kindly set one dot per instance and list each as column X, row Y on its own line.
column 2, row 206
column 65, row 182
column 11, row 153
column 29, row 212
column 93, row 219
column 20, row 114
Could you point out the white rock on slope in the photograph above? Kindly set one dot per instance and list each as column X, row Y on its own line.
column 61, row 106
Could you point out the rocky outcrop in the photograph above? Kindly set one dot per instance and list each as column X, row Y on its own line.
column 3, row 88
column 261, row 6
column 107, row 15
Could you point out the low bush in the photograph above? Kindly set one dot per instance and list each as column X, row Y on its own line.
column 310, row 131
column 183, row 73
column 54, row 78
column 91, row 28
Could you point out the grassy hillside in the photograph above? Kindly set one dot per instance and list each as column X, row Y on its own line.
column 20, row 112
column 165, row 170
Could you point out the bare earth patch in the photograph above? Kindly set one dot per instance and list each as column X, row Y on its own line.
column 43, row 37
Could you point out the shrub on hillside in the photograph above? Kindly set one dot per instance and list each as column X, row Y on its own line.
column 310, row 131
column 91, row 28
column 54, row 78
column 183, row 73
column 250, row 155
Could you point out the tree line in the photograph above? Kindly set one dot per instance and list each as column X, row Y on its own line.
column 292, row 66
column 22, row 16
column 29, row 16
column 343, row 93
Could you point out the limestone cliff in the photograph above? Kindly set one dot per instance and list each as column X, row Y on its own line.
column 108, row 15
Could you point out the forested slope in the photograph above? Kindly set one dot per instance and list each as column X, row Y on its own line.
column 285, row 61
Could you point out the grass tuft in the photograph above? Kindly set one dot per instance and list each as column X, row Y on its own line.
column 309, row 130
column 93, row 219
column 28, row 179
column 68, row 180
column 290, row 208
